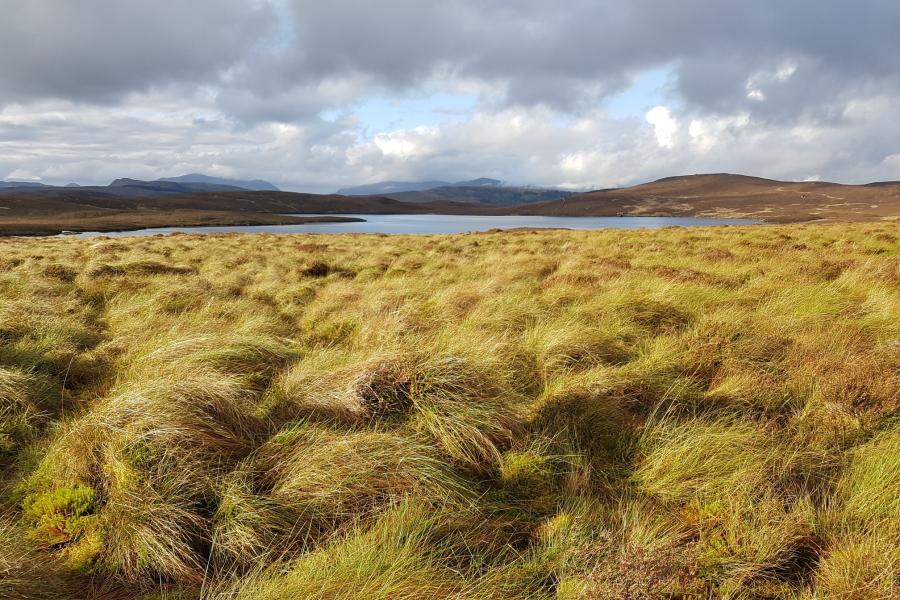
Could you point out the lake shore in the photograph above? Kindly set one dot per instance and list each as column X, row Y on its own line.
column 48, row 225
column 433, row 224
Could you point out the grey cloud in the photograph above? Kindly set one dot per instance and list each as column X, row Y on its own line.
column 267, row 59
column 570, row 56
column 98, row 50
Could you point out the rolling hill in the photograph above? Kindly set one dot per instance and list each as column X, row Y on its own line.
column 733, row 196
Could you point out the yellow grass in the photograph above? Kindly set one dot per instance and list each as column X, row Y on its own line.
column 707, row 412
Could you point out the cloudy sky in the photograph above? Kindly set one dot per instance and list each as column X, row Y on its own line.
column 316, row 95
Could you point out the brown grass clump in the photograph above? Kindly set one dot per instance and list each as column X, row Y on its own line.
column 450, row 399
column 23, row 403
column 140, row 268
column 27, row 574
column 349, row 474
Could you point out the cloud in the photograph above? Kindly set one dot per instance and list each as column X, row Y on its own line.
column 283, row 59
column 664, row 125
column 97, row 89
column 569, row 58
column 100, row 50
column 60, row 142
column 707, row 133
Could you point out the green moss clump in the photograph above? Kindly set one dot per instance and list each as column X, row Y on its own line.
column 60, row 516
column 527, row 473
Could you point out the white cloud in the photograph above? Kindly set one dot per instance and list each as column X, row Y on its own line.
column 786, row 70
column 892, row 164
column 157, row 135
column 405, row 144
column 755, row 94
column 573, row 163
column 664, row 125
column 706, row 133
column 23, row 175
column 769, row 78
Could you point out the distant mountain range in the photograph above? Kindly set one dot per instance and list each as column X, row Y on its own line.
column 486, row 195
column 20, row 184
column 385, row 188
column 185, row 184
column 137, row 187
column 484, row 191
column 251, row 184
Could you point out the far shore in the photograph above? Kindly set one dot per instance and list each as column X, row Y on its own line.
column 46, row 225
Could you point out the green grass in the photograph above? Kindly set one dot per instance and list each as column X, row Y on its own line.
column 693, row 413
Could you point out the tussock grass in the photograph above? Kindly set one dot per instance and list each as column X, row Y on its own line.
column 24, row 399
column 455, row 401
column 397, row 558
column 329, row 476
column 705, row 459
column 871, row 484
column 859, row 566
column 705, row 413
column 25, row 573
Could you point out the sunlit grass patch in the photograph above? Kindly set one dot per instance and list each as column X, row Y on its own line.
column 508, row 415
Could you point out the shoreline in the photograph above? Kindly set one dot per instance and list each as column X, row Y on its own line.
column 490, row 227
column 129, row 221
column 11, row 229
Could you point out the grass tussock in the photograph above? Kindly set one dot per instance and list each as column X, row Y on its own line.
column 681, row 413
column 400, row 557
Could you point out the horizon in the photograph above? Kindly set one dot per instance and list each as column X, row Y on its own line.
column 315, row 97
column 504, row 184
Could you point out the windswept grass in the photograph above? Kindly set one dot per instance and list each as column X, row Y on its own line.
column 680, row 413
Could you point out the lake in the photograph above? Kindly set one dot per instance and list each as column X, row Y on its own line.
column 424, row 224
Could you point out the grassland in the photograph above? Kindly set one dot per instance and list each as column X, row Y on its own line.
column 680, row 413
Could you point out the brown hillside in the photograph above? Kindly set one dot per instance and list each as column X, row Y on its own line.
column 725, row 195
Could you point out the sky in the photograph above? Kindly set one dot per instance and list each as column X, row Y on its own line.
column 581, row 94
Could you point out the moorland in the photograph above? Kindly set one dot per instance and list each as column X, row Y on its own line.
column 130, row 204
column 673, row 413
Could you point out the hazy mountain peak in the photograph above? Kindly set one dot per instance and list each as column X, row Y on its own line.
column 396, row 187
column 248, row 184
column 480, row 182
column 390, row 187
column 21, row 184
column 123, row 181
